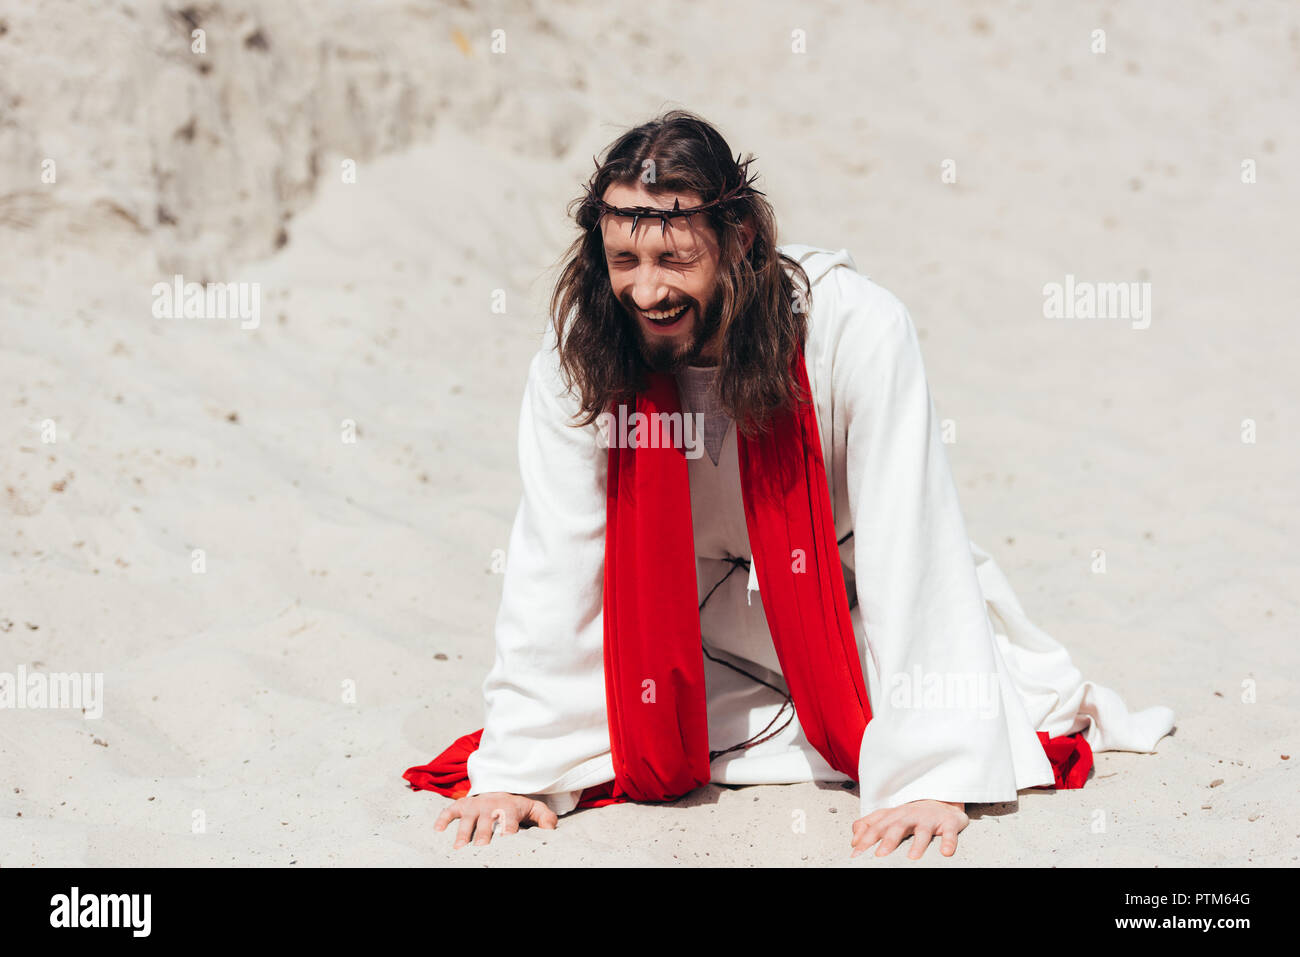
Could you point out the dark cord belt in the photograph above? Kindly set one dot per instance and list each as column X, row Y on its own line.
column 788, row 702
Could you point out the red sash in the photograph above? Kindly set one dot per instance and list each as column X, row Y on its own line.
column 654, row 663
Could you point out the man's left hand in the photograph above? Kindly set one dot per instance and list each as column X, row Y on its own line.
column 920, row 819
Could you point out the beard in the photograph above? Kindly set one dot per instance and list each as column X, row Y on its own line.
column 671, row 354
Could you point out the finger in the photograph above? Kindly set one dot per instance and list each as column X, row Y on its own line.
column 893, row 837
column 509, row 820
column 864, row 840
column 467, row 819
column 864, row 824
column 921, row 841
column 486, row 825
column 448, row 815
column 948, row 846
column 541, row 815
column 870, row 819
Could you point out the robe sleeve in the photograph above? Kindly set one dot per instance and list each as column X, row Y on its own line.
column 947, row 723
column 545, row 732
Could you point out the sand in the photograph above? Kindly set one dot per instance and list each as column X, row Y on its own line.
column 260, row 711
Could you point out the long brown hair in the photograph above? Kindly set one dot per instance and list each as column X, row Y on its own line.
column 763, row 312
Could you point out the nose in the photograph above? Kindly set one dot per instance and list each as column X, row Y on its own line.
column 648, row 286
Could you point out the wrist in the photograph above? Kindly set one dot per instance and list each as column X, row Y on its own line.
column 959, row 805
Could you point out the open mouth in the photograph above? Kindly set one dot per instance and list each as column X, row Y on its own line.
column 667, row 318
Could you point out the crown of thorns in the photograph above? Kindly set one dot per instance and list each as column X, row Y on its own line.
column 743, row 188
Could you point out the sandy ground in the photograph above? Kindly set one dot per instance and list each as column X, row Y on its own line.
column 261, row 712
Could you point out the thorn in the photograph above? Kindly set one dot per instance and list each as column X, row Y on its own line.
column 635, row 219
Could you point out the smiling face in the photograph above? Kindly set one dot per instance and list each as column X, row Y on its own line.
column 665, row 279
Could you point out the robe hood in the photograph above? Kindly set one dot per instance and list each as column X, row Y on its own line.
column 817, row 262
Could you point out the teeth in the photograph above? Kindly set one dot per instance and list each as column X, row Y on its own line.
column 666, row 315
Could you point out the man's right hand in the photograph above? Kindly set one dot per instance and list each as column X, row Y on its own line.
column 479, row 813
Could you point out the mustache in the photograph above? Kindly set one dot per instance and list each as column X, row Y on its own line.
column 633, row 309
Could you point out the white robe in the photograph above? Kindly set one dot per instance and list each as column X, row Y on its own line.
column 929, row 602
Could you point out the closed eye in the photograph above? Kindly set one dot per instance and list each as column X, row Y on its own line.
column 627, row 259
